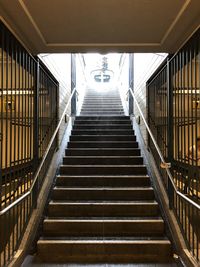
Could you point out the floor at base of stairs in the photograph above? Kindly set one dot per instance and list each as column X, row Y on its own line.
column 31, row 261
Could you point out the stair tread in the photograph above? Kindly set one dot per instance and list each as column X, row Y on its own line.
column 103, row 125
column 104, row 176
column 105, row 220
column 104, row 135
column 107, row 157
column 103, row 130
column 101, row 148
column 104, row 188
column 106, row 240
column 104, row 203
column 106, row 166
column 106, row 142
column 95, row 202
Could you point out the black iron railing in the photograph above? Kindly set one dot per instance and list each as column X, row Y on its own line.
column 174, row 118
column 28, row 119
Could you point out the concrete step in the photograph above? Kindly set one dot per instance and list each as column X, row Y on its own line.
column 103, row 98
column 104, row 209
column 103, row 169
column 103, row 126
column 103, row 180
column 102, row 160
column 102, row 105
column 102, row 138
column 102, row 131
column 98, row 109
column 99, row 104
column 100, row 113
column 103, row 227
column 104, row 194
column 104, row 122
column 104, row 251
column 102, row 144
column 107, row 118
column 77, row 151
column 112, row 103
column 102, row 101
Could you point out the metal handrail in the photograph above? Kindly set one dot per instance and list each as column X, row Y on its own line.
column 164, row 165
column 43, row 160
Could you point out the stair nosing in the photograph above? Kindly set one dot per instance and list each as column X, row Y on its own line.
column 89, row 220
column 103, row 165
column 104, row 241
column 99, row 203
column 104, row 188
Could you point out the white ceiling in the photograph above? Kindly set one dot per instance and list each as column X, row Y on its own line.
column 46, row 26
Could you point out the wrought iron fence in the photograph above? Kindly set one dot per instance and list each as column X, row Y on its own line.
column 28, row 118
column 174, row 118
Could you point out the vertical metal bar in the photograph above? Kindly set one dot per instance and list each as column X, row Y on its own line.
column 6, row 151
column 28, row 126
column 2, row 260
column 170, row 128
column 11, row 221
column 35, row 133
column 184, row 154
column 15, row 134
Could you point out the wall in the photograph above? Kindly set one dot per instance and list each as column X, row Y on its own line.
column 60, row 66
column 81, row 81
column 123, row 80
column 144, row 67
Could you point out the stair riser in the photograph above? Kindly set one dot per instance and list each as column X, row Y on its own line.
column 101, row 127
column 101, row 152
column 90, row 252
column 104, row 161
column 102, row 105
column 103, row 138
column 103, row 99
column 97, row 210
column 107, row 118
column 104, row 122
column 103, row 145
column 120, row 195
column 105, row 228
column 114, row 98
column 98, row 104
column 102, row 170
column 103, row 132
column 102, row 113
column 102, row 181
column 102, row 109
column 94, row 104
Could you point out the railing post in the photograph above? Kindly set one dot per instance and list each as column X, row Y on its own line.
column 170, row 129
column 36, row 131
column 73, row 84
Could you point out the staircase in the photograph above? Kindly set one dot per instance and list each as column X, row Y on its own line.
column 102, row 207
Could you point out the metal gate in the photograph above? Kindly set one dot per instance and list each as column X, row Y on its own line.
column 28, row 118
column 174, row 118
